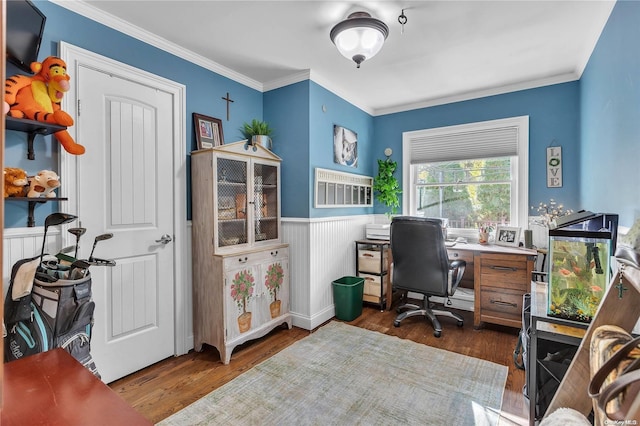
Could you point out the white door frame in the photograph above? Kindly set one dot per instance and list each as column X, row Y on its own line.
column 74, row 56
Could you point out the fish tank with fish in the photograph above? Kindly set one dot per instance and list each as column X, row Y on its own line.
column 580, row 249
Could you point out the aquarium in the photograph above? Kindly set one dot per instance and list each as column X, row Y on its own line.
column 579, row 267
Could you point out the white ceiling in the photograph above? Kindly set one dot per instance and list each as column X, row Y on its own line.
column 450, row 50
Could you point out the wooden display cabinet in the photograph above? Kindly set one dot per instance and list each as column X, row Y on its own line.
column 240, row 266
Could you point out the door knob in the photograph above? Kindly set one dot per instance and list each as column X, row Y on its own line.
column 165, row 239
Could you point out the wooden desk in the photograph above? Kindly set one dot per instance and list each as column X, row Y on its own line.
column 53, row 388
column 499, row 275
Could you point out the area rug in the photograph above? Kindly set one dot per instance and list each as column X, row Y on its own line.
column 346, row 375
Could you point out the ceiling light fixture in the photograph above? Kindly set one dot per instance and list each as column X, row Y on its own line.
column 359, row 37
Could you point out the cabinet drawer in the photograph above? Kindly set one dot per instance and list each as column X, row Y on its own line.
column 372, row 284
column 241, row 259
column 509, row 272
column 501, row 303
column 369, row 260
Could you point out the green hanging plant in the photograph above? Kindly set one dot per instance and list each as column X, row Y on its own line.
column 386, row 186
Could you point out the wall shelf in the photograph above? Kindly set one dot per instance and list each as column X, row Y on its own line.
column 31, row 222
column 31, row 128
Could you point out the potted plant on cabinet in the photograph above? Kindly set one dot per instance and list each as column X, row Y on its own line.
column 257, row 132
column 386, row 186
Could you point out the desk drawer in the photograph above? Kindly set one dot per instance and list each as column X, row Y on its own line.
column 508, row 272
column 466, row 255
column 501, row 303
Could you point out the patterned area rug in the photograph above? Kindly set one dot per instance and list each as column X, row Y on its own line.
column 346, row 375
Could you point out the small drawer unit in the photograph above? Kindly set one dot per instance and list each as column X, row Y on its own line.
column 372, row 258
column 501, row 279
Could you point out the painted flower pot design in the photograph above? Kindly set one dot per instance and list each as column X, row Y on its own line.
column 241, row 290
column 272, row 281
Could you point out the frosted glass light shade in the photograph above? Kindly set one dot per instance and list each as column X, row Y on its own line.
column 359, row 37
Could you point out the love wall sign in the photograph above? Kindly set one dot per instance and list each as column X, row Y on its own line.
column 554, row 167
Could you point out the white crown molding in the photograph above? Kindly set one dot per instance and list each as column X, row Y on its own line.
column 316, row 78
column 91, row 12
column 592, row 39
column 531, row 84
column 288, row 80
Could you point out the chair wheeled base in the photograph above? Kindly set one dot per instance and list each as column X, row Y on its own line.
column 426, row 310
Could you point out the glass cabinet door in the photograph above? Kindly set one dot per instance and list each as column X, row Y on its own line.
column 232, row 202
column 265, row 202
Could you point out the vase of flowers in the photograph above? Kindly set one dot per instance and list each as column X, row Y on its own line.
column 548, row 213
column 241, row 290
column 272, row 281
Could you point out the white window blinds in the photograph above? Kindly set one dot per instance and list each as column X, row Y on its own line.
column 434, row 145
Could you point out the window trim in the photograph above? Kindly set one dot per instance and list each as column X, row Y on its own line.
column 521, row 166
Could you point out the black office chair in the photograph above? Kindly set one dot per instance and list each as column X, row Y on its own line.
column 421, row 265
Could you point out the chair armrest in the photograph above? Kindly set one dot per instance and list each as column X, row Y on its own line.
column 456, row 271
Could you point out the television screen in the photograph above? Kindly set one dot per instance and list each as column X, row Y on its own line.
column 25, row 24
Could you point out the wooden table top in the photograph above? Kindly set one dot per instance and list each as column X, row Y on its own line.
column 53, row 388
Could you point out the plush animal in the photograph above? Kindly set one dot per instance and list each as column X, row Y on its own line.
column 15, row 181
column 5, row 107
column 38, row 98
column 43, row 184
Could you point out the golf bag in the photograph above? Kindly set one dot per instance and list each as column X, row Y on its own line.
column 56, row 313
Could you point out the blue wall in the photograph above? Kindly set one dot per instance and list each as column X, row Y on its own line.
column 287, row 111
column 204, row 93
column 304, row 141
column 553, row 119
column 339, row 112
column 595, row 120
column 610, row 108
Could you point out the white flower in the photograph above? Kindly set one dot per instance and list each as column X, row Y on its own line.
column 549, row 212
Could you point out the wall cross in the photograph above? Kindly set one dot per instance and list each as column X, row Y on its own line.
column 228, row 100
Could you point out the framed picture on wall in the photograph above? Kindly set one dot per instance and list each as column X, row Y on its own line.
column 508, row 236
column 345, row 146
column 208, row 131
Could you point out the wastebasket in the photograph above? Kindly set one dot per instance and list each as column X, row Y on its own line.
column 347, row 297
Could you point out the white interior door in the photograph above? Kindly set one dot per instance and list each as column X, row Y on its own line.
column 125, row 187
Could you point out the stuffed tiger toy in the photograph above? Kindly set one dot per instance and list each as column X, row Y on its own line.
column 38, row 98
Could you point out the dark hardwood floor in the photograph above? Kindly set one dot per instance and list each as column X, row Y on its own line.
column 170, row 385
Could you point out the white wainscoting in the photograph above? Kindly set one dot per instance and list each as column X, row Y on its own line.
column 321, row 251
column 22, row 243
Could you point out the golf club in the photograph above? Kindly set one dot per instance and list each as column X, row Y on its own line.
column 78, row 232
column 67, row 249
column 100, row 237
column 52, row 220
column 102, row 262
column 78, row 269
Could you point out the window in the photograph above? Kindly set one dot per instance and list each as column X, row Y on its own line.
column 473, row 174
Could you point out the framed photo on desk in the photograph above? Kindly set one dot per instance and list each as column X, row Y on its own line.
column 508, row 236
